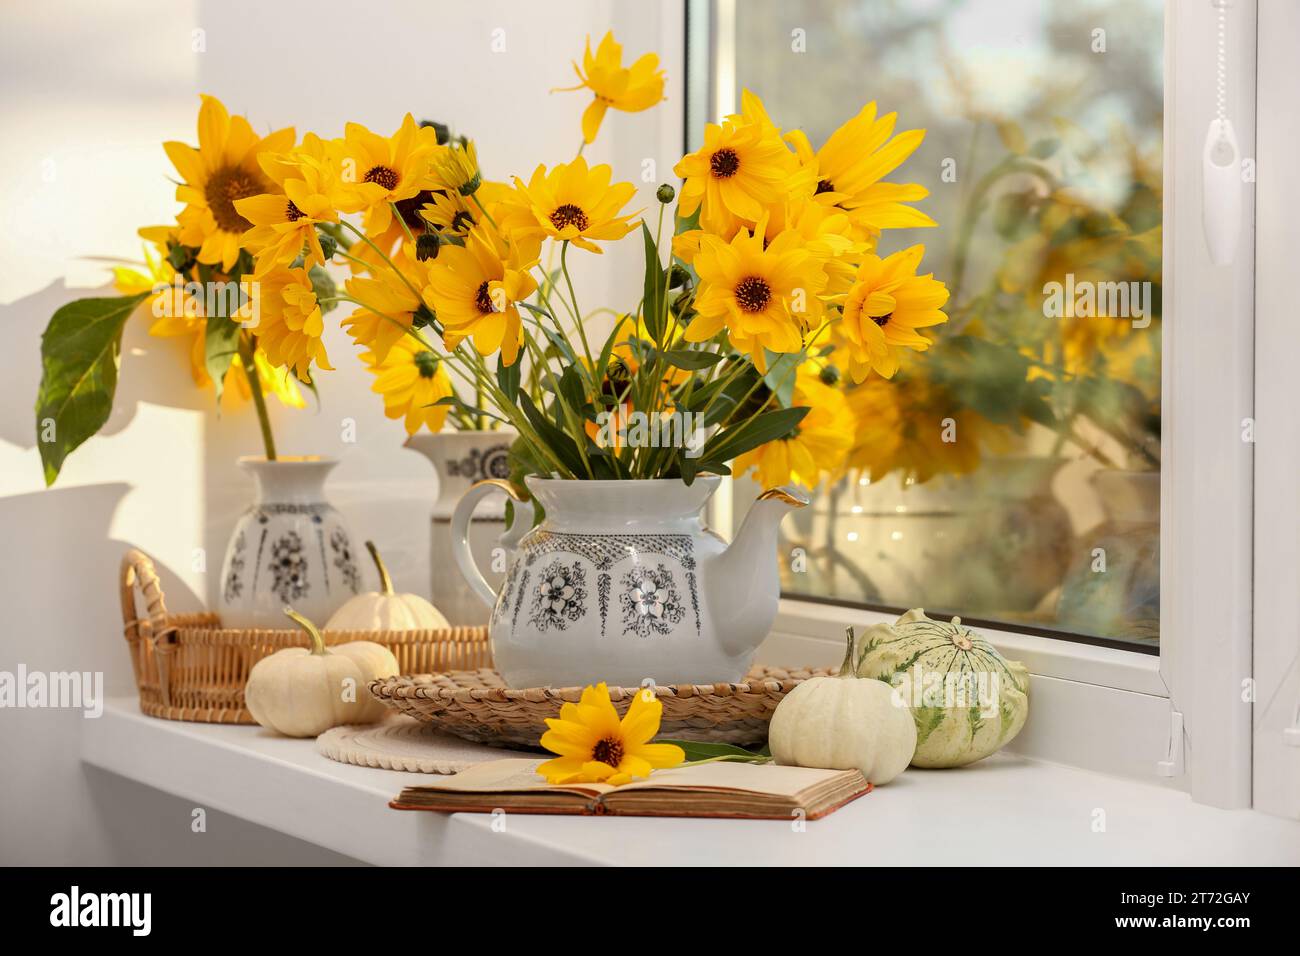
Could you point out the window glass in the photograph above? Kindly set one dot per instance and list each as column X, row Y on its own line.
column 1010, row 473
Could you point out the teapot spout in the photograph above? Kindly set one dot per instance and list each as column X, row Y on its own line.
column 743, row 582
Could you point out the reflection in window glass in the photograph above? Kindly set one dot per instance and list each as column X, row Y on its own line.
column 1011, row 472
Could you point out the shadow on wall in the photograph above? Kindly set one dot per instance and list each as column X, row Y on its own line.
column 151, row 370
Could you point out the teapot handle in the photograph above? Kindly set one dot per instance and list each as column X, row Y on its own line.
column 460, row 519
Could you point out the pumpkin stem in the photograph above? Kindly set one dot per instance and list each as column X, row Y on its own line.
column 385, row 582
column 317, row 642
column 846, row 669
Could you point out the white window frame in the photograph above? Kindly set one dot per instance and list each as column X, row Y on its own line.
column 1180, row 719
column 1276, row 664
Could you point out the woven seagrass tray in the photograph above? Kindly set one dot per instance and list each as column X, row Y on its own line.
column 188, row 667
column 476, row 705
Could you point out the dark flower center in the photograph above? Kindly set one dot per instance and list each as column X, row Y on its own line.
column 409, row 209
column 383, row 175
column 462, row 222
column 223, row 188
column 882, row 320
column 608, row 751
column 824, row 186
column 753, row 293
column 292, row 212
column 483, row 299
column 570, row 215
column 724, row 163
column 426, row 363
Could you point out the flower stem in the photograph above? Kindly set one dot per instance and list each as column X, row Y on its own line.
column 247, row 356
column 577, row 313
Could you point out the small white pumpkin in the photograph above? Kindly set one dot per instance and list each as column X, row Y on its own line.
column 844, row 722
column 385, row 610
column 303, row 692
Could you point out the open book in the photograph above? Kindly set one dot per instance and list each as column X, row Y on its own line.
column 706, row 790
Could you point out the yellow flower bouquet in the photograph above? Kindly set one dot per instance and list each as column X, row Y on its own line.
column 762, row 286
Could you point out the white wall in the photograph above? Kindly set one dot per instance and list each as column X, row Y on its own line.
column 90, row 92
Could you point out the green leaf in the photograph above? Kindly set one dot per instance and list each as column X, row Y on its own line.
column 80, row 350
column 456, row 402
column 707, row 750
column 323, row 285
column 656, row 285
column 220, row 346
column 557, row 441
column 690, row 359
column 781, row 374
column 752, row 432
column 508, row 377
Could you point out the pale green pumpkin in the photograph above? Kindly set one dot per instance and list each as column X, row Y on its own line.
column 968, row 700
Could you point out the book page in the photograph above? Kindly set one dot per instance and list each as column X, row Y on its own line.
column 725, row 775
column 519, row 775
column 511, row 775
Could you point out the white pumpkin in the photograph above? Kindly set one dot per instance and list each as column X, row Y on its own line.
column 844, row 722
column 303, row 692
column 385, row 610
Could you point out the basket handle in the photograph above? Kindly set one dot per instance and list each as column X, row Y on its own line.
column 138, row 571
column 153, row 629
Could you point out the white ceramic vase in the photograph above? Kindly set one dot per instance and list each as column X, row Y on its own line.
column 460, row 459
column 290, row 547
column 622, row 582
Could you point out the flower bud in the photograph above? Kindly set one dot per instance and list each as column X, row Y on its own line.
column 665, row 193
column 678, row 277
column 328, row 245
column 441, row 129
column 829, row 375
column 426, row 246
column 422, row 316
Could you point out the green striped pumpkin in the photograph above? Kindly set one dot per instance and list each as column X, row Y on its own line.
column 967, row 699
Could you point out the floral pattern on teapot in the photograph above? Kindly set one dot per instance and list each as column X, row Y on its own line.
column 650, row 599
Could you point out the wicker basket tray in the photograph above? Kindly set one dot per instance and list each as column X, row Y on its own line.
column 188, row 667
column 476, row 705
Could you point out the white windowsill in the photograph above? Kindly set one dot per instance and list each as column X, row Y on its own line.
column 1096, row 708
column 1004, row 810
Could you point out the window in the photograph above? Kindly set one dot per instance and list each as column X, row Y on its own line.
column 1010, row 474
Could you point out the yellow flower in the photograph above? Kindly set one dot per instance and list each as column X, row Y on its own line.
column 850, row 165
column 631, row 90
column 817, row 447
column 594, row 746
column 448, row 212
column 375, row 171
column 389, row 304
column 901, row 428
column 885, row 306
column 742, row 168
column 766, row 298
column 411, row 379
column 456, row 167
column 289, row 325
column 285, row 222
column 574, row 203
column 178, row 314
column 473, row 290
column 223, row 170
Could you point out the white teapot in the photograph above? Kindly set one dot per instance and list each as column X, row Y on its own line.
column 621, row 582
